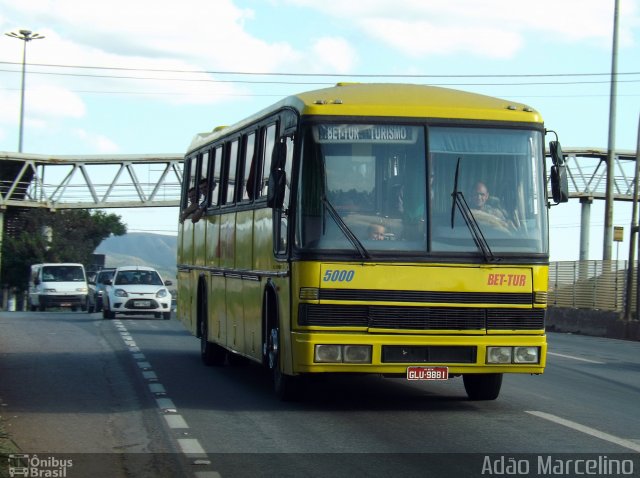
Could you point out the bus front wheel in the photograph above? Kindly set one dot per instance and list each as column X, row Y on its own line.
column 286, row 386
column 482, row 386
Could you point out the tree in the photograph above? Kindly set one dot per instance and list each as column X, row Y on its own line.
column 75, row 234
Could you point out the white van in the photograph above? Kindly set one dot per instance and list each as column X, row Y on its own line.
column 58, row 285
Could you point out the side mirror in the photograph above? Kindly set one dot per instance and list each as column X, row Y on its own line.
column 276, row 188
column 556, row 153
column 559, row 183
column 168, row 282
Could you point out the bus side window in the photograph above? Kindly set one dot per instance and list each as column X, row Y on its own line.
column 188, row 183
column 203, row 193
column 216, row 167
column 248, row 186
column 232, row 165
column 268, row 143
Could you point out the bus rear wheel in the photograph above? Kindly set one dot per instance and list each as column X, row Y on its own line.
column 482, row 386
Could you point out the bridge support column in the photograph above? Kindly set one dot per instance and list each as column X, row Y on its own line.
column 585, row 222
column 3, row 305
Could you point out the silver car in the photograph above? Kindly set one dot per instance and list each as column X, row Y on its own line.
column 96, row 289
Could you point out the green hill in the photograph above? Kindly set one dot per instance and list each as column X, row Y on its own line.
column 139, row 248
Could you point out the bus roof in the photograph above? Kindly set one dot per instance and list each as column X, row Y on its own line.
column 389, row 100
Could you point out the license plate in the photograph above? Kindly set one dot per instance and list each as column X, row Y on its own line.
column 427, row 373
column 142, row 303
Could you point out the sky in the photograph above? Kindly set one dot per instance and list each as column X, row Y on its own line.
column 142, row 76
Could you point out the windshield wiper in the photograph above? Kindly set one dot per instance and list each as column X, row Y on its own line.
column 345, row 229
column 469, row 219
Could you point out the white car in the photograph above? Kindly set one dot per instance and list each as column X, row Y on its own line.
column 136, row 290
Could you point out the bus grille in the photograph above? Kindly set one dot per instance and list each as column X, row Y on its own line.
column 427, row 296
column 428, row 354
column 420, row 318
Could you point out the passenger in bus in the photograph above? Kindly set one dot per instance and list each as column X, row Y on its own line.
column 202, row 205
column 193, row 204
column 376, row 232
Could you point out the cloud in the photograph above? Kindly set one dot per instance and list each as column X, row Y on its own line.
column 417, row 39
column 51, row 101
column 491, row 28
column 334, row 54
column 96, row 142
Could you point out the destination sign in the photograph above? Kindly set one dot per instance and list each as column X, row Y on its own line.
column 354, row 133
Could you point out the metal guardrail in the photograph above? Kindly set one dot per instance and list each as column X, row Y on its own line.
column 594, row 284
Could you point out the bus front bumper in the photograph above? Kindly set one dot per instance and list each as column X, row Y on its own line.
column 392, row 354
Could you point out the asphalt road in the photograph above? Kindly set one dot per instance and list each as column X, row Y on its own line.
column 130, row 397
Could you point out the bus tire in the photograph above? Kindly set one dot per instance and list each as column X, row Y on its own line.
column 482, row 386
column 286, row 387
column 210, row 353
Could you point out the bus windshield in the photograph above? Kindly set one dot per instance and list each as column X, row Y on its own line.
column 388, row 189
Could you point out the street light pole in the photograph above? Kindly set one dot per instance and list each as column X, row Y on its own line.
column 25, row 36
column 611, row 154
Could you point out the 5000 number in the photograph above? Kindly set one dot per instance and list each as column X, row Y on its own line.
column 338, row 275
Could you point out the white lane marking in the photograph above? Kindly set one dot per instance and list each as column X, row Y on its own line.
column 588, row 430
column 176, row 421
column 191, row 446
column 165, row 404
column 575, row 358
column 157, row 388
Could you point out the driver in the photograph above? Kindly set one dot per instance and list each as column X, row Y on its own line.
column 480, row 204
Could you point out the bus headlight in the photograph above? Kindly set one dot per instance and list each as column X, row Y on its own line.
column 499, row 354
column 526, row 355
column 327, row 354
column 330, row 353
column 357, row 353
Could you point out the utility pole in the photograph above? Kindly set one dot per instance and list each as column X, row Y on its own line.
column 633, row 240
column 608, row 213
column 26, row 36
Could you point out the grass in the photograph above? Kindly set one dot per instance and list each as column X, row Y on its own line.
column 6, row 448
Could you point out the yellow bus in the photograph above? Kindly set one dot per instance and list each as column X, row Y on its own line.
column 388, row 229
